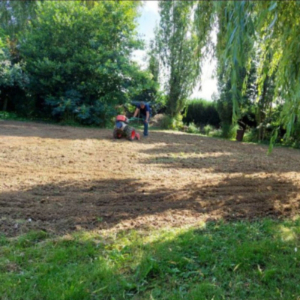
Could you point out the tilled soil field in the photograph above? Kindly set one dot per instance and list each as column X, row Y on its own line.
column 62, row 179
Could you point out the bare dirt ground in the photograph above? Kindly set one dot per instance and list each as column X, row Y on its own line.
column 62, row 179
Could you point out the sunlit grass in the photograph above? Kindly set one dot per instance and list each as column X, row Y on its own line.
column 238, row 260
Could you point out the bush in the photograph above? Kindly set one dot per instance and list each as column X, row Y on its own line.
column 172, row 123
column 251, row 135
column 192, row 128
column 207, row 129
column 201, row 113
column 229, row 131
column 166, row 122
column 78, row 59
column 7, row 115
column 216, row 133
column 177, row 123
column 71, row 108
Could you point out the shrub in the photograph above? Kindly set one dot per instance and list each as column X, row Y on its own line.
column 166, row 122
column 175, row 123
column 201, row 112
column 207, row 129
column 216, row 133
column 78, row 59
column 251, row 135
column 192, row 128
column 229, row 131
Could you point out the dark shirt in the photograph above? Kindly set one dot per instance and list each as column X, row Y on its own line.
column 144, row 110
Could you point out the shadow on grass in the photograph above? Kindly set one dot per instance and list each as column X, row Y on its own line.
column 235, row 260
column 74, row 206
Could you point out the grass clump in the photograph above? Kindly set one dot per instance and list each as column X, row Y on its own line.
column 237, row 260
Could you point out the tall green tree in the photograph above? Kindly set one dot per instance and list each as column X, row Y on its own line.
column 15, row 16
column 153, row 91
column 272, row 27
column 177, row 44
column 78, row 57
column 153, row 65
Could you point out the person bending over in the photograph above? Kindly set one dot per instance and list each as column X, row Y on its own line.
column 144, row 109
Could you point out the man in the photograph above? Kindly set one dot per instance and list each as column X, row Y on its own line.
column 144, row 109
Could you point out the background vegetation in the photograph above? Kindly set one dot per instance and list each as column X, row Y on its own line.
column 71, row 62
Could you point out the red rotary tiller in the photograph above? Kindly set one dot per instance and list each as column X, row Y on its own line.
column 122, row 129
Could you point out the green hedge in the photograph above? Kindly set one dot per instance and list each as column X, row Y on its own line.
column 201, row 112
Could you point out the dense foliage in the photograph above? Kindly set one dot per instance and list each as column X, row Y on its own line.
column 201, row 113
column 265, row 32
column 256, row 49
column 15, row 16
column 180, row 51
column 12, row 78
column 77, row 57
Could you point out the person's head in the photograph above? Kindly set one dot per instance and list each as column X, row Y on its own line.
column 142, row 104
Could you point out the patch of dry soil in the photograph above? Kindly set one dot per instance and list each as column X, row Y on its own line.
column 60, row 179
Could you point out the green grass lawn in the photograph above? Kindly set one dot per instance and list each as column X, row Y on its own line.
column 239, row 260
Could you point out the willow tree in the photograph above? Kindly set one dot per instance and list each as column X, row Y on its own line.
column 262, row 31
column 179, row 52
column 271, row 28
column 282, row 41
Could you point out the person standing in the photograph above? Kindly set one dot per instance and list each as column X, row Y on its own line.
column 144, row 109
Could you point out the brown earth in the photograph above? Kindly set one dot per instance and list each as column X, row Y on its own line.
column 62, row 179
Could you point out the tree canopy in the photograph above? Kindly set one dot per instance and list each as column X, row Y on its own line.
column 77, row 57
column 179, row 50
